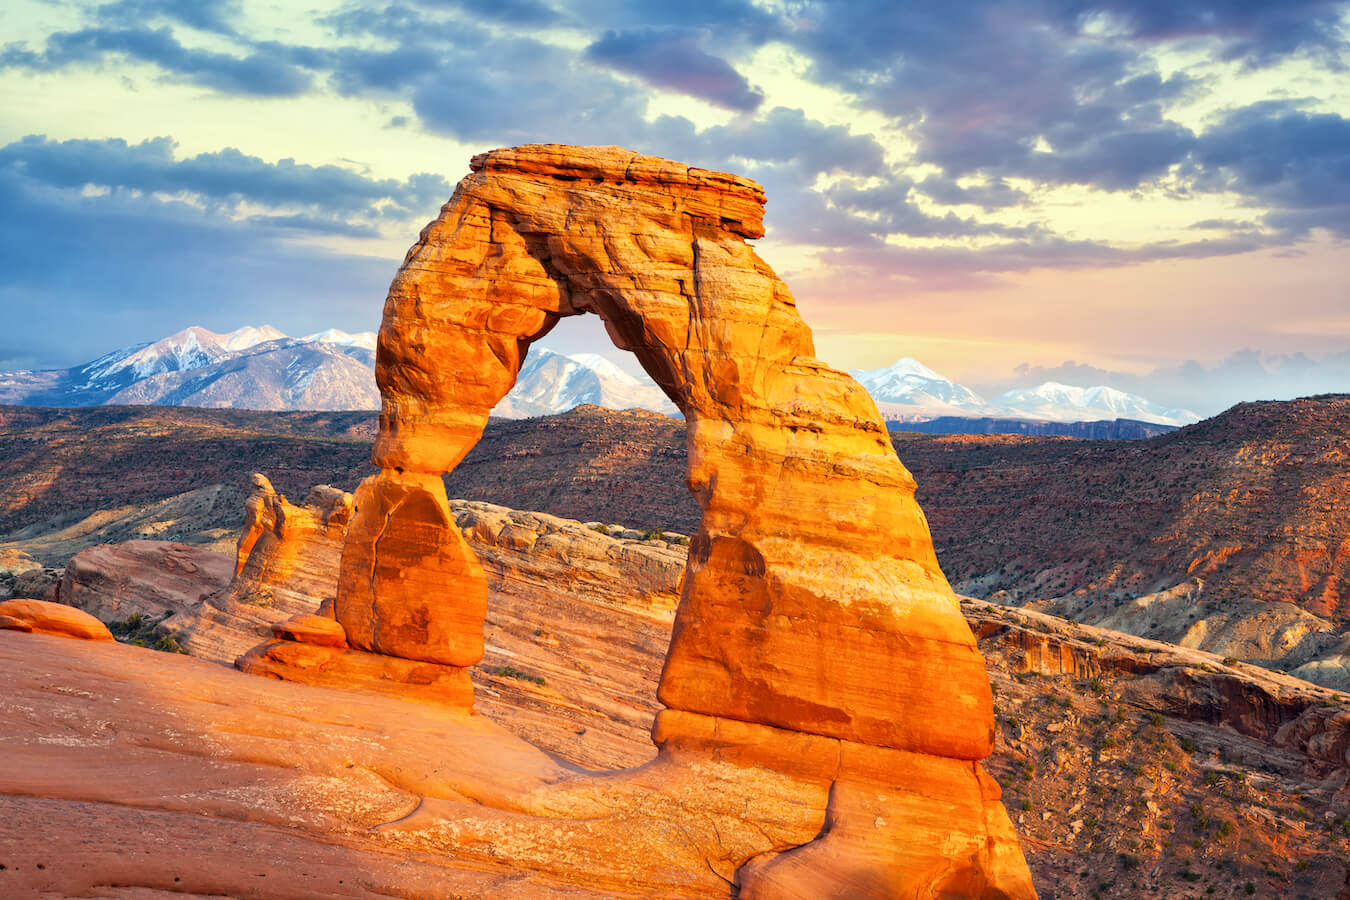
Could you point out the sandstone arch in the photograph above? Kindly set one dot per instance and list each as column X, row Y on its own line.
column 816, row 632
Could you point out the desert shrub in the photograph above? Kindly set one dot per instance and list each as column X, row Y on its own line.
column 513, row 672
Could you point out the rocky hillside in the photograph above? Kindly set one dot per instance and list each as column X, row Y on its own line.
column 58, row 466
column 1187, row 537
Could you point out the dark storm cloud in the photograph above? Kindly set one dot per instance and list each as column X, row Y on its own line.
column 257, row 74
column 227, row 177
column 671, row 58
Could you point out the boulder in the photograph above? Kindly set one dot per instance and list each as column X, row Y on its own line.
column 51, row 618
column 320, row 631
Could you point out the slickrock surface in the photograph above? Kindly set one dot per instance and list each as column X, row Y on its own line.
column 1122, row 759
column 814, row 622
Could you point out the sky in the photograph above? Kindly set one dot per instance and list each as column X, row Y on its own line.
column 1153, row 194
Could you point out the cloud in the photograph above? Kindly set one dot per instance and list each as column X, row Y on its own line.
column 671, row 58
column 727, row 21
column 1259, row 33
column 1206, row 388
column 781, row 137
column 990, row 195
column 205, row 15
column 952, row 267
column 1296, row 164
column 80, row 275
column 508, row 12
column 1062, row 93
column 889, row 206
column 224, row 180
column 256, row 74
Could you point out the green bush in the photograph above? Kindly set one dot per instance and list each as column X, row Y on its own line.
column 513, row 672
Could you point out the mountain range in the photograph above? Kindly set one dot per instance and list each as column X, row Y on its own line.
column 263, row 368
column 909, row 391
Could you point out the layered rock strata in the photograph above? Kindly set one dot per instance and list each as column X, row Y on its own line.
column 813, row 610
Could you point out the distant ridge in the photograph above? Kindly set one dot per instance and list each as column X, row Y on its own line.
column 1107, row 429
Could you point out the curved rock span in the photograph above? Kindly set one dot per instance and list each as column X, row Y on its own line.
column 816, row 636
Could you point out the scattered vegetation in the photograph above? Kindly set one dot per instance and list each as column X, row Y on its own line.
column 261, row 597
column 513, row 672
column 142, row 631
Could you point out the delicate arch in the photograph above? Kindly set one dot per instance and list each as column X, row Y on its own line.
column 813, row 600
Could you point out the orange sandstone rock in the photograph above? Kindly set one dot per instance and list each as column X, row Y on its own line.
column 812, row 605
column 325, row 665
column 409, row 585
column 320, row 631
column 53, row 618
column 10, row 623
column 288, row 551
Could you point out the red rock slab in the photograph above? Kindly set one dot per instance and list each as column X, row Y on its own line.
column 9, row 623
column 56, row 618
column 337, row 666
column 320, row 631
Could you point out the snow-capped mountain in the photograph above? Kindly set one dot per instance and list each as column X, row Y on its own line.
column 250, row 368
column 1057, row 402
column 262, row 368
column 909, row 390
column 363, row 339
column 551, row 382
column 190, row 348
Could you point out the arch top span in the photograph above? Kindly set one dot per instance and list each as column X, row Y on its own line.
column 736, row 202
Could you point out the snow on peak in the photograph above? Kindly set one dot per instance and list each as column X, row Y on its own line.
column 908, row 366
column 603, row 367
column 909, row 388
column 1066, row 403
column 248, row 336
column 365, row 339
column 551, row 382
